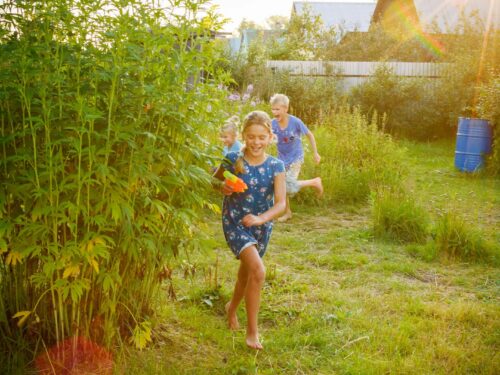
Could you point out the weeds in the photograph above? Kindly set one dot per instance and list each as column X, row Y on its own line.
column 100, row 136
column 357, row 158
column 398, row 217
column 456, row 239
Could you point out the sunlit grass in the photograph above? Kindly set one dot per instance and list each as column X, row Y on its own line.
column 338, row 300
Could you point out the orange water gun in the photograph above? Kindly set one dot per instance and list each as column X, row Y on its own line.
column 235, row 182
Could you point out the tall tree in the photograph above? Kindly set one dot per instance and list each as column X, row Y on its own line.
column 248, row 24
column 306, row 36
column 277, row 22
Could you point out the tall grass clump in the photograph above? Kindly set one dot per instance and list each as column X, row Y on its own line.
column 357, row 158
column 102, row 110
column 457, row 239
column 397, row 216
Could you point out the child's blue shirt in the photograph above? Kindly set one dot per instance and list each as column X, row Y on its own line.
column 289, row 140
column 235, row 147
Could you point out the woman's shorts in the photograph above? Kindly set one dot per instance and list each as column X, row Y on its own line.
column 292, row 176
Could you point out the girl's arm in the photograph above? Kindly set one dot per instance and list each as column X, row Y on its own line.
column 219, row 175
column 276, row 210
column 312, row 141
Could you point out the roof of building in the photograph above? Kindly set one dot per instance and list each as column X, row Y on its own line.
column 446, row 13
column 351, row 16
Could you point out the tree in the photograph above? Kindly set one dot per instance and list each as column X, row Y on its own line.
column 277, row 22
column 248, row 24
column 306, row 36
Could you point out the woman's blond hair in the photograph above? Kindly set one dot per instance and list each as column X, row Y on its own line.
column 253, row 118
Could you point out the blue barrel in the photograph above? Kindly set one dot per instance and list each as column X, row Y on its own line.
column 474, row 137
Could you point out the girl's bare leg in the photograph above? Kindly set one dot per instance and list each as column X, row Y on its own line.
column 256, row 275
column 238, row 294
column 314, row 183
column 288, row 212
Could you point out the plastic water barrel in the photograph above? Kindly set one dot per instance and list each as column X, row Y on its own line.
column 474, row 137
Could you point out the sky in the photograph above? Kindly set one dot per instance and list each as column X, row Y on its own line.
column 257, row 10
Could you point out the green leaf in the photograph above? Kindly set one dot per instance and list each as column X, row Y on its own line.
column 141, row 335
column 116, row 212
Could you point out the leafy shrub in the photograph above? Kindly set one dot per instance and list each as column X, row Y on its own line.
column 312, row 99
column 377, row 45
column 488, row 108
column 415, row 108
column 398, row 217
column 356, row 158
column 456, row 239
column 102, row 129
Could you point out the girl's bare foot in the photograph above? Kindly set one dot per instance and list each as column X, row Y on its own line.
column 253, row 342
column 232, row 318
column 319, row 186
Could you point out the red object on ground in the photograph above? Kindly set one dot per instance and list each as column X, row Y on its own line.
column 75, row 356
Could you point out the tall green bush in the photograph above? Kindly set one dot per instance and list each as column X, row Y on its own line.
column 312, row 99
column 103, row 110
column 402, row 100
column 357, row 158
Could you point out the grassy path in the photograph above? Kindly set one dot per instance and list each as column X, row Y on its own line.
column 337, row 301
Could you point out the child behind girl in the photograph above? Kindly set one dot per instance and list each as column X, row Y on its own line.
column 289, row 131
column 247, row 216
column 229, row 135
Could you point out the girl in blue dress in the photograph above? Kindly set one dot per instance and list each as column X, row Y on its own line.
column 247, row 216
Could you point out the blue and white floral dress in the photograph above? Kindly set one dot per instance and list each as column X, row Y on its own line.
column 258, row 198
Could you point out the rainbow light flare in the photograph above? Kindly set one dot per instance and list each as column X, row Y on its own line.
column 432, row 45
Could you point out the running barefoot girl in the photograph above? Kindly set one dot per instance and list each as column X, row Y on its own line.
column 247, row 216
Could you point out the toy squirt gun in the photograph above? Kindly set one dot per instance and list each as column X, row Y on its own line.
column 235, row 182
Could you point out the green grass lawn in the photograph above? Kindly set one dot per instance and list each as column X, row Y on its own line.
column 338, row 301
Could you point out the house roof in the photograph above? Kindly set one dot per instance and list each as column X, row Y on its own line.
column 446, row 13
column 352, row 16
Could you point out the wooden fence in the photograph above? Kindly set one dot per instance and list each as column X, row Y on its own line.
column 352, row 73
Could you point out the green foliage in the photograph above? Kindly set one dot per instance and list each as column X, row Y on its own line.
column 417, row 108
column 357, row 158
column 421, row 108
column 103, row 117
column 457, row 239
column 403, row 101
column 312, row 99
column 398, row 217
column 246, row 24
column 377, row 45
column 488, row 108
column 305, row 38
